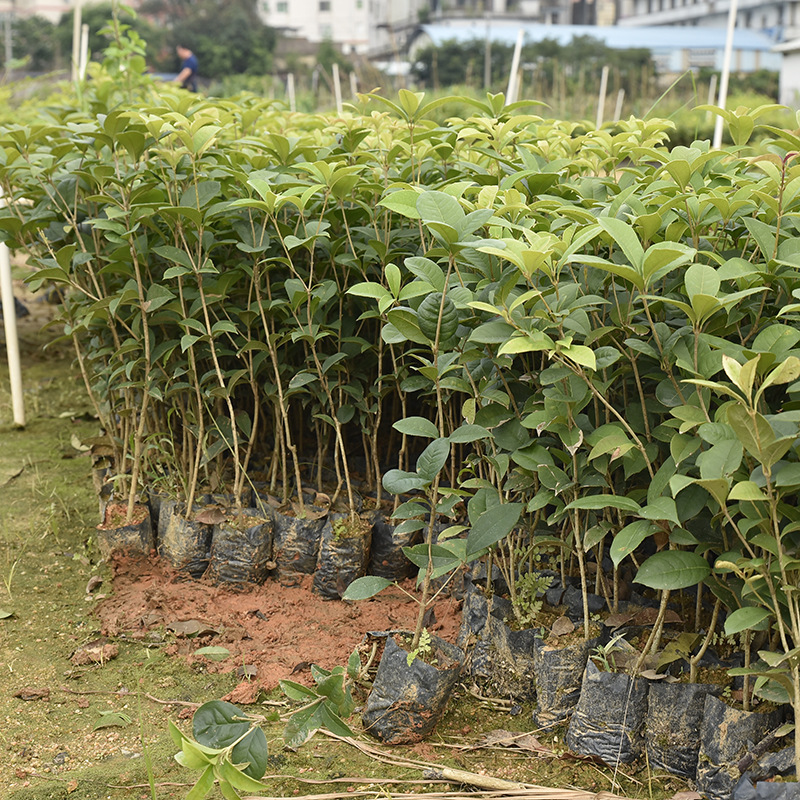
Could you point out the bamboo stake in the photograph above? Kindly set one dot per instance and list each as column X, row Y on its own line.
column 12, row 341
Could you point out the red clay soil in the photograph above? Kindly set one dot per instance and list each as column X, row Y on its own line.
column 277, row 630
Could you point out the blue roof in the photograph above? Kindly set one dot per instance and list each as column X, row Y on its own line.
column 654, row 38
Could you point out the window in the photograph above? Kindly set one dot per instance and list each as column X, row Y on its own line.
column 283, row 7
column 324, row 5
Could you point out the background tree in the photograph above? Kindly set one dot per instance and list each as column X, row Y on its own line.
column 34, row 39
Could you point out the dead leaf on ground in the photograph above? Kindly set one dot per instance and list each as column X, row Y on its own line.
column 686, row 796
column 617, row 620
column 210, row 515
column 95, row 582
column 190, row 627
column 522, row 741
column 562, row 626
column 97, row 652
column 31, row 693
column 72, row 786
column 7, row 477
column 647, row 616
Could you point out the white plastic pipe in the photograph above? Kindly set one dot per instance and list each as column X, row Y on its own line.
column 511, row 92
column 726, row 71
column 337, row 87
column 12, row 342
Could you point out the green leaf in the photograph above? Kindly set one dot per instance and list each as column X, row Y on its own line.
column 203, row 786
column 494, row 524
column 595, row 502
column 417, row 426
column 629, row 538
column 363, row 588
column 398, row 481
column 747, row 490
column 403, row 201
column 213, row 653
column 433, row 458
column 673, row 569
column 626, row 238
column 220, row 724
column 467, row 433
column 747, row 618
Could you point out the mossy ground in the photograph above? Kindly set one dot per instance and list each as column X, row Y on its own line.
column 52, row 747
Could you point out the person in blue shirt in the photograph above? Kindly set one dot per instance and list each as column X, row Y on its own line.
column 187, row 77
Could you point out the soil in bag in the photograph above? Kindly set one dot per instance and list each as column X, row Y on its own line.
column 725, row 736
column 184, row 543
column 608, row 721
column 296, row 545
column 387, row 558
column 343, row 554
column 241, row 549
column 558, row 672
column 115, row 536
column 407, row 700
column 674, row 715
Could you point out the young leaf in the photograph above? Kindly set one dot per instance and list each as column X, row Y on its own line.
column 366, row 587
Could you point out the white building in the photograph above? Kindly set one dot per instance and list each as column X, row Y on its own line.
column 365, row 27
column 778, row 19
column 789, row 81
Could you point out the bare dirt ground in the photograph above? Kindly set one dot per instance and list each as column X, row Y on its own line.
column 275, row 631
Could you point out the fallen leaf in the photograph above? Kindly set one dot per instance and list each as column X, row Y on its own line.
column 686, row 796
column 522, row 741
column 210, row 515
column 652, row 675
column 617, row 620
column 72, row 786
column 247, row 671
column 94, row 583
column 7, row 477
column 98, row 652
column 30, row 693
column 78, row 444
column 213, row 653
column 562, row 626
column 112, row 719
column 190, row 627
column 5, row 614
column 647, row 616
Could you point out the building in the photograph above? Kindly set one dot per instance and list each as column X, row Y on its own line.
column 778, row 19
column 674, row 49
column 364, row 27
column 789, row 79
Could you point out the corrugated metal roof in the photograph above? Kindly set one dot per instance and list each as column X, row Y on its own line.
column 654, row 38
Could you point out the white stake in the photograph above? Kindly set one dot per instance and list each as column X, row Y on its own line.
column 726, row 71
column 12, row 343
column 511, row 92
column 353, row 84
column 337, row 88
column 618, row 109
column 76, row 39
column 712, row 93
column 290, row 92
column 601, row 99
column 84, row 51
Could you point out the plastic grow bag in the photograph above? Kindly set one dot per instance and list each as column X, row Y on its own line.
column 608, row 721
column 674, row 716
column 241, row 549
column 296, row 546
column 184, row 543
column 407, row 701
column 387, row 558
column 558, row 672
column 134, row 538
column 343, row 555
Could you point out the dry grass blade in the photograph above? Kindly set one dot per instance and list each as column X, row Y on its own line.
column 534, row 793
